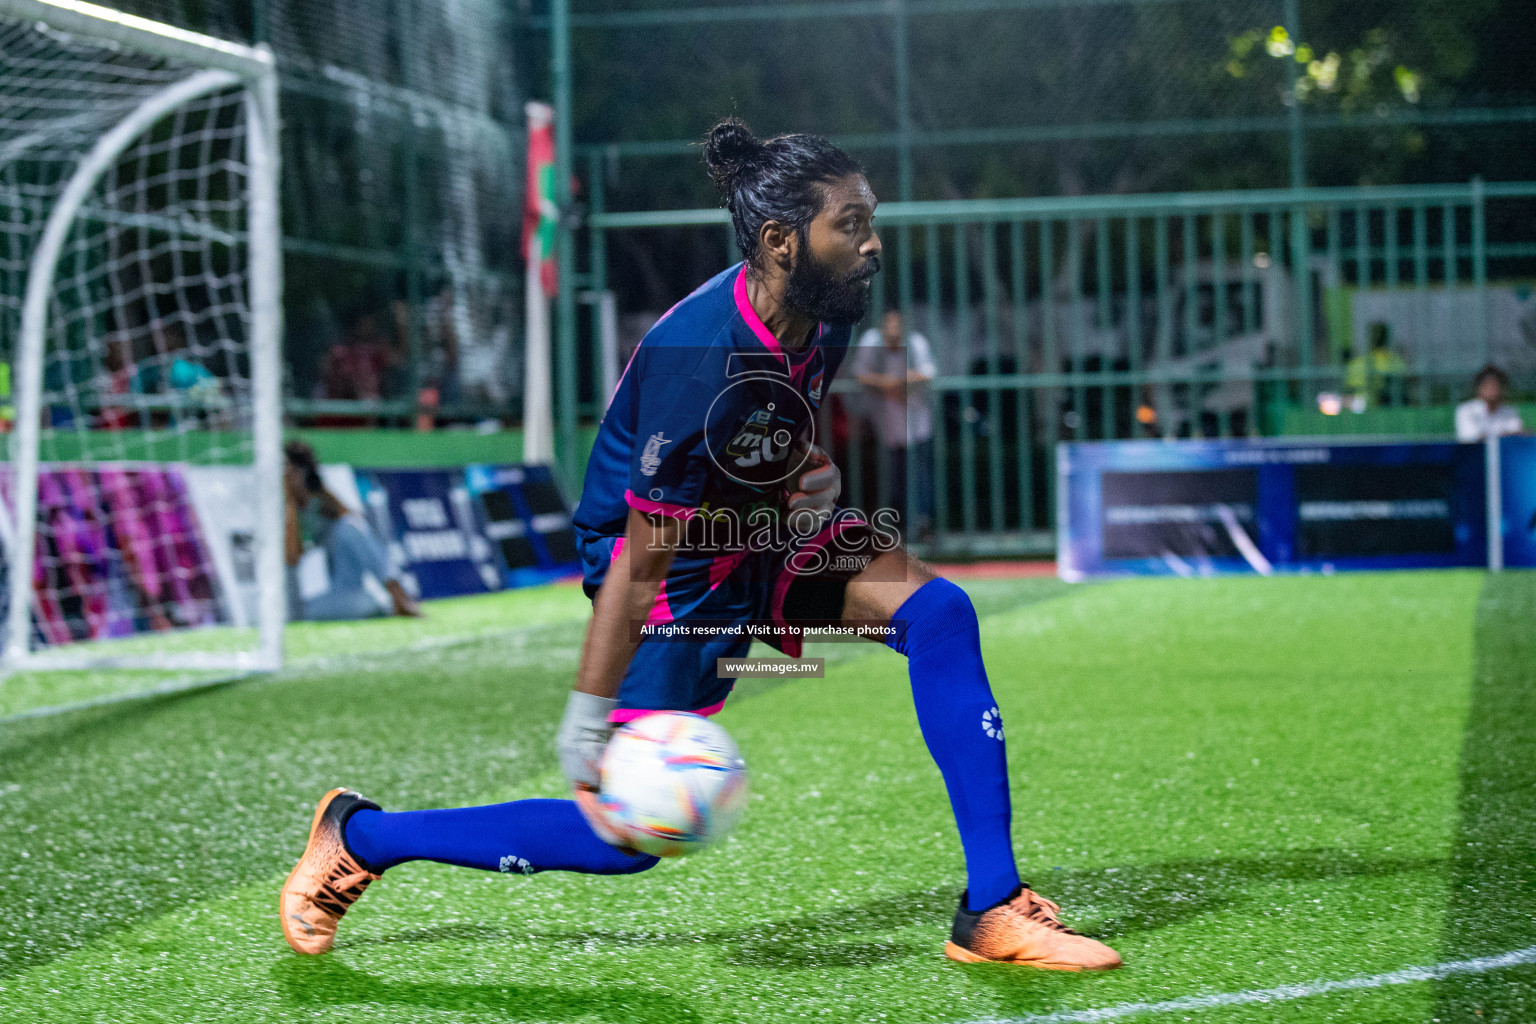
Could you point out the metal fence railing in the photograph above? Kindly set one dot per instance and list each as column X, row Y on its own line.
column 1163, row 316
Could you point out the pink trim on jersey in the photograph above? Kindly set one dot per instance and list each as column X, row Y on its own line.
column 790, row 571
column 795, row 362
column 618, row 547
column 722, row 566
column 661, row 611
column 800, row 361
column 630, row 714
column 659, row 508
column 744, row 307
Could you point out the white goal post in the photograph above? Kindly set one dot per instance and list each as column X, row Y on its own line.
column 141, row 281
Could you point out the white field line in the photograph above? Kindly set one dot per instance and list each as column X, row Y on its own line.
column 122, row 698
column 1304, row 990
column 320, row 662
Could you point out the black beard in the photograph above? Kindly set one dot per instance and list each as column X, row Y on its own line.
column 815, row 290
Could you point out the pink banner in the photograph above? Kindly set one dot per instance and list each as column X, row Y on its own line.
column 119, row 551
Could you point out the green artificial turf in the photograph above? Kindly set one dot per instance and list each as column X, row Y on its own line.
column 1238, row 783
column 308, row 645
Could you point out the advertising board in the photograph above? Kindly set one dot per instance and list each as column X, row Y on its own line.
column 1204, row 507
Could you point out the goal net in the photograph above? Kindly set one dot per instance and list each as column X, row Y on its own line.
column 139, row 320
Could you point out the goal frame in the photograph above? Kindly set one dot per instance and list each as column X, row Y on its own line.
column 220, row 65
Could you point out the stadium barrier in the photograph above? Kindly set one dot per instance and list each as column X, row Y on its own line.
column 1201, row 508
column 178, row 549
column 1181, row 315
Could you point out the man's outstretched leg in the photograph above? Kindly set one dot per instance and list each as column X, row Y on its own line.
column 352, row 842
column 999, row 917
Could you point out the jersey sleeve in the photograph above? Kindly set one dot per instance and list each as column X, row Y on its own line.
column 669, row 466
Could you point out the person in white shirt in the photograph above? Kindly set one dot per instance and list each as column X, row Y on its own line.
column 895, row 365
column 1486, row 415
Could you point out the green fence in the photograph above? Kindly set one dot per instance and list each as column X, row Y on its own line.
column 1165, row 316
column 402, row 180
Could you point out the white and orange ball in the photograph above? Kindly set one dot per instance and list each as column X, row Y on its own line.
column 672, row 783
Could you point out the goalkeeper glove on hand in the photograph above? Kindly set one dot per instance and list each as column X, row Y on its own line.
column 583, row 735
column 818, row 488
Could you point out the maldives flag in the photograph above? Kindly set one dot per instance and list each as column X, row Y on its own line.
column 541, row 217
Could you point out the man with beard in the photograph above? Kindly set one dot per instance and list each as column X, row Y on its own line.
column 707, row 500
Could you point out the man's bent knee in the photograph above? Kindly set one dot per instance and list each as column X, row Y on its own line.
column 943, row 611
column 884, row 586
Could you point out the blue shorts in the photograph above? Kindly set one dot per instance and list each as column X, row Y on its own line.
column 800, row 585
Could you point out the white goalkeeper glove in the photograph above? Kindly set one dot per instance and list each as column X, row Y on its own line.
column 583, row 735
column 817, row 490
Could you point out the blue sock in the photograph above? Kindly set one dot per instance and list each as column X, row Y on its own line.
column 938, row 632
column 523, row 837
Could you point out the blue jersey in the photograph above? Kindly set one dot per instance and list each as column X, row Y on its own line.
column 708, row 426
column 710, row 420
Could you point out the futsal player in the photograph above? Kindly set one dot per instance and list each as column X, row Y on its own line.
column 706, row 499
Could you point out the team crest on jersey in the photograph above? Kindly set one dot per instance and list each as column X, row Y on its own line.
column 815, row 389
column 650, row 458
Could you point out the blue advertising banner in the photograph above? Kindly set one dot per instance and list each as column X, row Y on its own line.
column 1517, row 473
column 524, row 516
column 1195, row 508
column 426, row 519
column 470, row 531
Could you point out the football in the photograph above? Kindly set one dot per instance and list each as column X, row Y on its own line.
column 672, row 783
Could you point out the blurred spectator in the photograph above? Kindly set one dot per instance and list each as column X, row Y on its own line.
column 437, row 382
column 1485, row 415
column 117, row 378
column 172, row 368
column 189, row 379
column 359, row 365
column 484, row 359
column 1377, row 376
column 187, row 375
column 362, row 587
column 895, row 365
column 440, row 347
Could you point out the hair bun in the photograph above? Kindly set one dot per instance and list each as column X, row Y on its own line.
column 729, row 149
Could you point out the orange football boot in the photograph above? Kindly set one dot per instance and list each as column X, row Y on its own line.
column 1025, row 929
column 328, row 879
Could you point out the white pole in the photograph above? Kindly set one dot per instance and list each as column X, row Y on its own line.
column 1492, row 462
column 606, row 313
column 263, row 154
column 608, row 318
column 34, row 326
column 538, row 420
